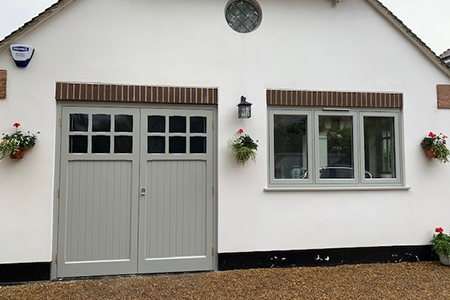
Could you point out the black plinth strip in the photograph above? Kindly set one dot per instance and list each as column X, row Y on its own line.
column 324, row 257
column 14, row 273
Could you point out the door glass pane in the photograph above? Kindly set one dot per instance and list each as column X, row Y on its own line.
column 123, row 144
column 78, row 144
column 177, row 144
column 198, row 145
column 379, row 147
column 101, row 123
column 156, row 124
column 156, row 144
column 123, row 123
column 198, row 124
column 78, row 122
column 336, row 147
column 291, row 146
column 177, row 124
column 101, row 144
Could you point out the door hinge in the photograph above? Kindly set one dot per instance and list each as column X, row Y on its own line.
column 212, row 251
column 60, row 122
column 56, row 257
column 59, row 193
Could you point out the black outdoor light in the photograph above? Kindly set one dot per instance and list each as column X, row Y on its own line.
column 244, row 109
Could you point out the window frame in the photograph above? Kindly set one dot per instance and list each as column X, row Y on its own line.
column 288, row 182
column 359, row 181
column 316, row 137
column 397, row 146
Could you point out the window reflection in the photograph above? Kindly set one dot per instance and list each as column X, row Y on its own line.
column 379, row 150
column 291, row 146
column 336, row 147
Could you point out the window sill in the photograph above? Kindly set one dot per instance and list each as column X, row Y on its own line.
column 335, row 188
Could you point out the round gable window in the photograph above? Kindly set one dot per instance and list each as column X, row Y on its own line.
column 243, row 16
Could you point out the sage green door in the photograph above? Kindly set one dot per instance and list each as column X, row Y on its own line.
column 175, row 215
column 130, row 203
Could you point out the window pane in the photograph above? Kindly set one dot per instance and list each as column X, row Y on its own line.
column 198, row 124
column 198, row 145
column 78, row 122
column 156, row 124
column 177, row 124
column 177, row 144
column 78, row 144
column 101, row 123
column 291, row 146
column 123, row 144
column 101, row 144
column 336, row 147
column 156, row 144
column 123, row 123
column 379, row 149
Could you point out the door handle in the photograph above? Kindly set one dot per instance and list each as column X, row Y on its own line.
column 143, row 192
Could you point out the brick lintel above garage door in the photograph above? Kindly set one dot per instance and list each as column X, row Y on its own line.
column 66, row 91
column 334, row 99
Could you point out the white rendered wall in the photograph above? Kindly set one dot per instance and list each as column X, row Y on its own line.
column 300, row 45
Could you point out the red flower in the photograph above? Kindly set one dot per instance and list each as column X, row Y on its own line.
column 16, row 124
column 439, row 229
column 430, row 134
column 241, row 130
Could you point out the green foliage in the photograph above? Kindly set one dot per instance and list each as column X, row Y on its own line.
column 11, row 143
column 437, row 143
column 244, row 147
column 339, row 134
column 441, row 243
column 243, row 154
column 289, row 133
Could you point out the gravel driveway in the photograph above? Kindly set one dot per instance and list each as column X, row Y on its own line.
column 424, row 280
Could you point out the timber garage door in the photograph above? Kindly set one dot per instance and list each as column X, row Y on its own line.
column 136, row 191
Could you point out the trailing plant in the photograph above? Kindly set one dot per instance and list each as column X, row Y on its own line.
column 244, row 147
column 437, row 144
column 441, row 242
column 13, row 142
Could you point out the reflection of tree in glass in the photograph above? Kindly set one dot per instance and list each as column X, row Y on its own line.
column 378, row 140
column 289, row 131
column 338, row 131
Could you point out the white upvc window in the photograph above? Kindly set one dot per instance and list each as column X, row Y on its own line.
column 313, row 147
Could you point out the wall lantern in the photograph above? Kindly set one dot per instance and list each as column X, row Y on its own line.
column 244, row 109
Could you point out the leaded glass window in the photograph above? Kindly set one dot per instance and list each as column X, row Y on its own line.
column 243, row 16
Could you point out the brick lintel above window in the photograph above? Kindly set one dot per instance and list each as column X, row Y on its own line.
column 334, row 99
column 134, row 93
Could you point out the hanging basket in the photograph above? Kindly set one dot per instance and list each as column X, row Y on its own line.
column 430, row 153
column 18, row 154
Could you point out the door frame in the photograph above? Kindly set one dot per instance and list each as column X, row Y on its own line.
column 58, row 156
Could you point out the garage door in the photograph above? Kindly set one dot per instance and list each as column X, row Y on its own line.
column 136, row 191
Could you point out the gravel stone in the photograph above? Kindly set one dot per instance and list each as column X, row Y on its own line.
column 424, row 280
